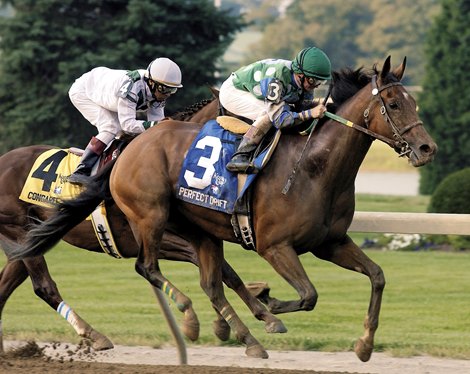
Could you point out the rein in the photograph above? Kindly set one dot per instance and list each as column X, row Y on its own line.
column 397, row 143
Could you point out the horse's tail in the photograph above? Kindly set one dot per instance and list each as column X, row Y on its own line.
column 69, row 213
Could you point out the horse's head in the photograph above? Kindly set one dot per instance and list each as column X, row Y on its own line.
column 392, row 113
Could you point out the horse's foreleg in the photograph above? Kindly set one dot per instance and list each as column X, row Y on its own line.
column 285, row 261
column 350, row 256
column 211, row 260
column 46, row 289
column 221, row 327
column 13, row 275
column 233, row 281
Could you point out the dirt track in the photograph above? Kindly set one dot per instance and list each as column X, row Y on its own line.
column 40, row 358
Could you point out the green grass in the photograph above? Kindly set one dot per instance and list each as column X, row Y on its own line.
column 385, row 203
column 425, row 305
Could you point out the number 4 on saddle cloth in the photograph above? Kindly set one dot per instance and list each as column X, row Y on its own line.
column 206, row 182
column 47, row 184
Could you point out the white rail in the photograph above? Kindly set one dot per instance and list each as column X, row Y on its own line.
column 411, row 223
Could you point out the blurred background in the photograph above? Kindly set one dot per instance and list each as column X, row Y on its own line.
column 45, row 45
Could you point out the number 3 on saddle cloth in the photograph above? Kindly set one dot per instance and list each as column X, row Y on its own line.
column 205, row 181
column 47, row 184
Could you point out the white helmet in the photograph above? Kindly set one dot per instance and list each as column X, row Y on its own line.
column 165, row 71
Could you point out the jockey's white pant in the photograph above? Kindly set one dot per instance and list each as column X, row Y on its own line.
column 239, row 102
column 104, row 120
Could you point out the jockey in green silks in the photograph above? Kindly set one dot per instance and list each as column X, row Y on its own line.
column 274, row 92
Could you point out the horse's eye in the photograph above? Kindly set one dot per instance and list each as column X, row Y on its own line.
column 393, row 105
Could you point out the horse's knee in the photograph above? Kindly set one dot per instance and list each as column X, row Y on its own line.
column 377, row 278
column 309, row 301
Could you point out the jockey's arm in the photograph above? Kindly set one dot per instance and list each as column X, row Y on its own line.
column 127, row 114
column 282, row 116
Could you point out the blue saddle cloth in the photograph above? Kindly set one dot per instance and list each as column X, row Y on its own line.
column 203, row 179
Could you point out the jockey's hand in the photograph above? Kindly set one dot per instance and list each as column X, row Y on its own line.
column 317, row 112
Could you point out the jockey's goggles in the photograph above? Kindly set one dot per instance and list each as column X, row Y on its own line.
column 314, row 81
column 164, row 89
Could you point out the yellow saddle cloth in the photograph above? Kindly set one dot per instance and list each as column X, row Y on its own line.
column 47, row 182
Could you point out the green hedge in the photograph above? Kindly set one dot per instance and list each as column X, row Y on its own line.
column 452, row 195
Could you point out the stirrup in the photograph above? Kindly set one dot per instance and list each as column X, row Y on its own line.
column 238, row 167
column 242, row 166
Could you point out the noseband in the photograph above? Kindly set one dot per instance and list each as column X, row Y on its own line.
column 398, row 142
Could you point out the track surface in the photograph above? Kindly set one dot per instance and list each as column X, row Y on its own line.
column 54, row 358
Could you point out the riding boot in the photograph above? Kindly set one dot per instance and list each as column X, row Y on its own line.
column 90, row 156
column 240, row 161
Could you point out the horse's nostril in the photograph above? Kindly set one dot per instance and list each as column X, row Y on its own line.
column 428, row 149
column 425, row 148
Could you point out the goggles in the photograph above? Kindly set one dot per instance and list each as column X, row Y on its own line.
column 165, row 90
column 314, row 82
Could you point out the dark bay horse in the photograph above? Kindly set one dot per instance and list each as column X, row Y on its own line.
column 16, row 217
column 313, row 217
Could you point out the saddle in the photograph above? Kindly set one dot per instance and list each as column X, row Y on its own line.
column 239, row 127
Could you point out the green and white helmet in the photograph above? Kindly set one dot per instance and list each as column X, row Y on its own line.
column 164, row 71
column 312, row 62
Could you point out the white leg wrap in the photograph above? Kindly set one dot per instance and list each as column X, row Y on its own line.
column 71, row 317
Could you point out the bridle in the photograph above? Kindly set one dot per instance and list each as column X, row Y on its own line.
column 398, row 142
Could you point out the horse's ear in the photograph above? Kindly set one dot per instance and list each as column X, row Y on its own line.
column 385, row 68
column 400, row 70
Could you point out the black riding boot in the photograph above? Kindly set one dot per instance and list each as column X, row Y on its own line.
column 240, row 162
column 90, row 157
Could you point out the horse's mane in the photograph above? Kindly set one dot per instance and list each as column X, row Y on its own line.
column 347, row 82
column 190, row 110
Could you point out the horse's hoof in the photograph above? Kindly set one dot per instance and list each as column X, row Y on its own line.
column 257, row 289
column 191, row 330
column 221, row 330
column 256, row 351
column 275, row 327
column 363, row 350
column 100, row 342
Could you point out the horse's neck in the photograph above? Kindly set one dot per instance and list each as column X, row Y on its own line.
column 345, row 148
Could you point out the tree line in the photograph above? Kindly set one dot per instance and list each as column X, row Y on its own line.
column 45, row 45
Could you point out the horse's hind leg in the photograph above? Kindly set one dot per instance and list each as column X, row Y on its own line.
column 12, row 276
column 46, row 289
column 349, row 256
column 148, row 267
column 210, row 254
